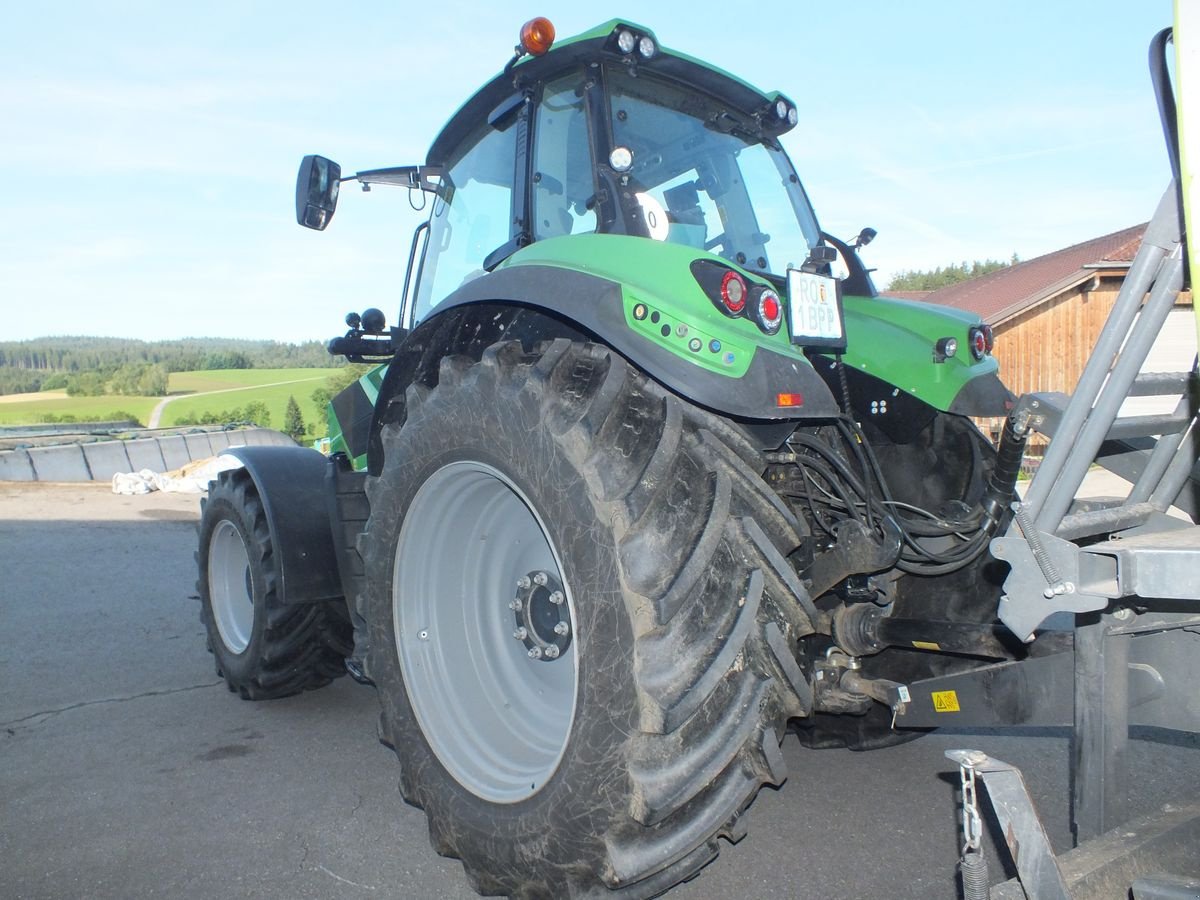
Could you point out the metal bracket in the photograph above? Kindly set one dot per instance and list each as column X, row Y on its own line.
column 1029, row 597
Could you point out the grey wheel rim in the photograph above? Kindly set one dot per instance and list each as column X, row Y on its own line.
column 230, row 587
column 498, row 720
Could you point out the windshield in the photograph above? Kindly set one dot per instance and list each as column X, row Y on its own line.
column 702, row 176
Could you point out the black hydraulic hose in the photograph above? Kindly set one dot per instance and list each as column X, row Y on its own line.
column 852, row 435
column 834, row 484
column 974, row 533
column 1003, row 481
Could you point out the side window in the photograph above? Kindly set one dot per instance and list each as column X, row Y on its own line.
column 563, row 185
column 473, row 219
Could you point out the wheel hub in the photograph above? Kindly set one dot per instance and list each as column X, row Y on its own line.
column 542, row 615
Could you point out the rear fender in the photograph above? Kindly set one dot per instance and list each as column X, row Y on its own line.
column 687, row 357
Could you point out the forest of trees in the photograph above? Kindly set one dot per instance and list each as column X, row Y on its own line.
column 96, row 365
column 932, row 279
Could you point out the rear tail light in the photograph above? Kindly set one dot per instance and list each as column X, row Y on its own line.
column 989, row 338
column 733, row 292
column 733, row 295
column 978, row 341
column 768, row 310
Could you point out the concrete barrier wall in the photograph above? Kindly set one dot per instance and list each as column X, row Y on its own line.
column 100, row 460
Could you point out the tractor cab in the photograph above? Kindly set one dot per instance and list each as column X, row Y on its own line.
column 608, row 133
column 611, row 134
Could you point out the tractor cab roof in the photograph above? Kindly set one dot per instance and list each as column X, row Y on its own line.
column 622, row 43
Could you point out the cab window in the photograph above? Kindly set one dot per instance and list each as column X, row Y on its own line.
column 471, row 217
column 563, row 186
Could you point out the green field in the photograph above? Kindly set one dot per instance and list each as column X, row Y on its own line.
column 223, row 379
column 227, row 390
column 236, row 387
column 33, row 409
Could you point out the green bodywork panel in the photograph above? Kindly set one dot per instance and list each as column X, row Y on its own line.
column 369, row 386
column 890, row 339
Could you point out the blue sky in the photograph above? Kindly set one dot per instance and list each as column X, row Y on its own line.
column 150, row 148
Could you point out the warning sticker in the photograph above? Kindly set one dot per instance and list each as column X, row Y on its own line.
column 945, row 701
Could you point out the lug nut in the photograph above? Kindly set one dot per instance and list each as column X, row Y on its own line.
column 557, row 598
column 516, row 605
column 562, row 628
column 540, row 578
column 535, row 652
column 523, row 582
column 552, row 652
column 520, row 633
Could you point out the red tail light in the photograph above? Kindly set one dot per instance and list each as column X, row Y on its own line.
column 978, row 342
column 768, row 311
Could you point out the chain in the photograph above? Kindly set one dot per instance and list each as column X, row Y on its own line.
column 972, row 823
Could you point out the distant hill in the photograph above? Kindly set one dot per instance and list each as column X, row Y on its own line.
column 49, row 362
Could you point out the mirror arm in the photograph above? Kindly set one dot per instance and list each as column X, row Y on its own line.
column 425, row 178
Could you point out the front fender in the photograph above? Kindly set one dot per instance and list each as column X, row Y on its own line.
column 291, row 483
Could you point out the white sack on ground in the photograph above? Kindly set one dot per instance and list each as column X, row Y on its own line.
column 192, row 478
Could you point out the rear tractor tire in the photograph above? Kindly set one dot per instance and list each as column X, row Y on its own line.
column 263, row 648
column 582, row 621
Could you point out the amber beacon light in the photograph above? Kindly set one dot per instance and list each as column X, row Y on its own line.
column 537, row 35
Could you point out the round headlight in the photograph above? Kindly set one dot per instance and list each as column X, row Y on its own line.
column 781, row 108
column 646, row 47
column 626, row 41
column 793, row 116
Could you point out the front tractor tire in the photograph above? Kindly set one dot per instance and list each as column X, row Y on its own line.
column 262, row 647
column 581, row 622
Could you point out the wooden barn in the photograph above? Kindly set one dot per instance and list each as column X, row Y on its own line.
column 1047, row 312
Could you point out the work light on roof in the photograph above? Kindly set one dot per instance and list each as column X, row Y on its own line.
column 646, row 46
column 626, row 40
column 781, row 108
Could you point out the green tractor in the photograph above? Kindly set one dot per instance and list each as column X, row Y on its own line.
column 648, row 475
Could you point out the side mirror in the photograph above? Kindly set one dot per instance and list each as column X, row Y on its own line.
column 317, row 191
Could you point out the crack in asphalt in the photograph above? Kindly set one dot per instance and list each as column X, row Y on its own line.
column 47, row 713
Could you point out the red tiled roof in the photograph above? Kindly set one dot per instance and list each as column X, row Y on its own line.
column 1005, row 292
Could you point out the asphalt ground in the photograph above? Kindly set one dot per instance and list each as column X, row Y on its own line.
column 127, row 770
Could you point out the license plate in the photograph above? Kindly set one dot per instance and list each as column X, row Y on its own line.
column 815, row 304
